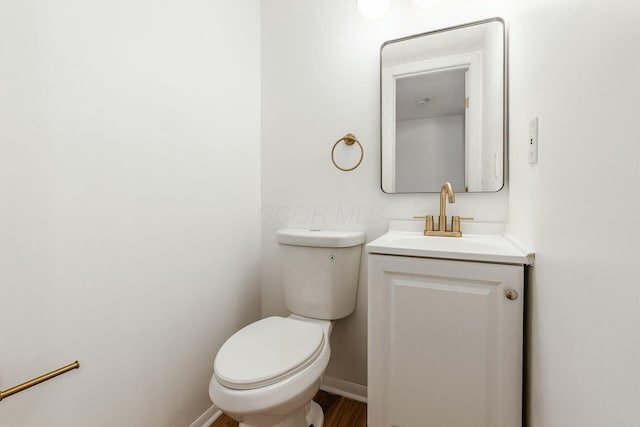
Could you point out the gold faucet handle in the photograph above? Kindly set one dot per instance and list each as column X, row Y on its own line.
column 455, row 222
column 428, row 225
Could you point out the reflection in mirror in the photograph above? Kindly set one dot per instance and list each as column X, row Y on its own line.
column 442, row 109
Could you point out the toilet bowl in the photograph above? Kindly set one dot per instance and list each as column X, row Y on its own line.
column 277, row 390
column 266, row 374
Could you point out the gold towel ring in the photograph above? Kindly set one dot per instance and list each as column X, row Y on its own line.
column 348, row 139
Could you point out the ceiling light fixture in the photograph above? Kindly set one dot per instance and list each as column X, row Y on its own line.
column 373, row 9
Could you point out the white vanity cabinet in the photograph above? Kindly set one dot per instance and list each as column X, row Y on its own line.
column 445, row 342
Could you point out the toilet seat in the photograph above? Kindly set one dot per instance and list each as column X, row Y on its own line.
column 266, row 352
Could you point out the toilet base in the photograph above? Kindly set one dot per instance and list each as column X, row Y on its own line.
column 315, row 416
column 309, row 415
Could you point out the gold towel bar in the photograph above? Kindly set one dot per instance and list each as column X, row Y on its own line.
column 40, row 379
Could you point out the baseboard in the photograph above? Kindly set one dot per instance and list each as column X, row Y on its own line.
column 344, row 388
column 206, row 419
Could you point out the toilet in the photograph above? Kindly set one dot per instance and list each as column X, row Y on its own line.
column 267, row 373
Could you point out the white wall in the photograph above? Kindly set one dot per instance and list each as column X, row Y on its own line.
column 129, row 204
column 430, row 150
column 572, row 63
column 320, row 81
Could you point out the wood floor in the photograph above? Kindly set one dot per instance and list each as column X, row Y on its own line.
column 338, row 412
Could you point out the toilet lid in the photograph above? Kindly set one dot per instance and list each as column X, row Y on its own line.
column 266, row 352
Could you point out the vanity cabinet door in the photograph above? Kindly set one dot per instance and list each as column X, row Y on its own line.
column 445, row 343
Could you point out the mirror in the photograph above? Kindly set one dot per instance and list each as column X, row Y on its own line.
column 443, row 98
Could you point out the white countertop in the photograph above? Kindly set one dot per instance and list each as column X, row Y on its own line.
column 484, row 242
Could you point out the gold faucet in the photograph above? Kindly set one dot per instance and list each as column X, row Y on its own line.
column 442, row 231
column 442, row 218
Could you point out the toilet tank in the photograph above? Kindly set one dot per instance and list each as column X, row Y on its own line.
column 320, row 271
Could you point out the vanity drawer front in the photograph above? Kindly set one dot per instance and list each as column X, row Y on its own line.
column 445, row 343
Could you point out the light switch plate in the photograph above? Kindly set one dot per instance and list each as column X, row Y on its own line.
column 533, row 141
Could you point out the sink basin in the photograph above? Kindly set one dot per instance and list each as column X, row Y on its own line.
column 471, row 247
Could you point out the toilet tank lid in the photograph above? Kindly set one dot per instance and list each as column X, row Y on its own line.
column 320, row 238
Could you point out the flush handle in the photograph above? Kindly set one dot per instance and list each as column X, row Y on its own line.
column 511, row 294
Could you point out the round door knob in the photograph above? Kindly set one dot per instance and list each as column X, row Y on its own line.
column 511, row 294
